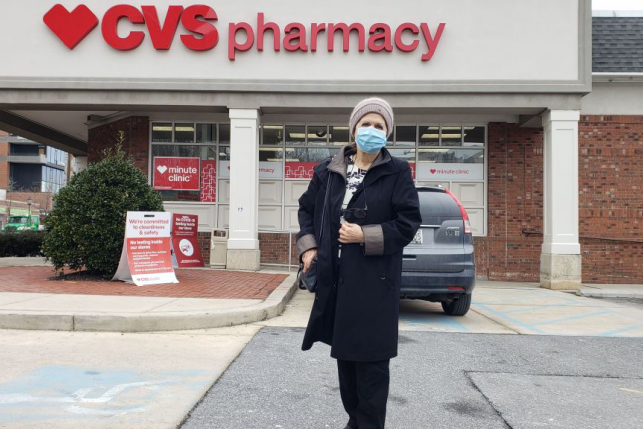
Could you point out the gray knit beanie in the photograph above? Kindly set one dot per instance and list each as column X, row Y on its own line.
column 372, row 105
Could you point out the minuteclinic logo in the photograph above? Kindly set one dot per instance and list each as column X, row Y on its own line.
column 450, row 171
column 200, row 33
column 177, row 174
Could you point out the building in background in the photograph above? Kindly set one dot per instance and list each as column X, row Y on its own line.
column 504, row 109
column 30, row 175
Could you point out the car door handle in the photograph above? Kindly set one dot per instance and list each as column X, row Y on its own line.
column 409, row 257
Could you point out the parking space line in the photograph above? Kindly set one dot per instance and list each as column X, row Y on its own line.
column 510, row 319
column 570, row 318
column 621, row 330
column 446, row 321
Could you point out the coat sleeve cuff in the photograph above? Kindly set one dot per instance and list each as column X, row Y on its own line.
column 305, row 243
column 373, row 240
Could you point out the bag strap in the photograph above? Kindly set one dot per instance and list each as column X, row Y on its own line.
column 321, row 233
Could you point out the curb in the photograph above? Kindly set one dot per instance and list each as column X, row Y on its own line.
column 272, row 306
column 612, row 293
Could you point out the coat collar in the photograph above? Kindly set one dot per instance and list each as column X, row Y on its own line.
column 340, row 161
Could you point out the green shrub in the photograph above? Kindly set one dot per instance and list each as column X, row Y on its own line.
column 24, row 243
column 86, row 228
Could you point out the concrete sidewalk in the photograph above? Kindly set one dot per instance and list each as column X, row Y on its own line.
column 611, row 291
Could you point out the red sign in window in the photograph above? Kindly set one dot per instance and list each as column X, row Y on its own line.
column 300, row 170
column 177, row 174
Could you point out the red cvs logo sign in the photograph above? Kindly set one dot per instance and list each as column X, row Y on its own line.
column 199, row 21
column 72, row 27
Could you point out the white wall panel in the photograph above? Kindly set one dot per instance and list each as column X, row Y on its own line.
column 224, row 191
column 476, row 217
column 294, row 190
column 269, row 218
column 224, row 217
column 469, row 194
column 270, row 192
column 292, row 221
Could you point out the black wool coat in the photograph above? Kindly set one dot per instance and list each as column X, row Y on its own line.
column 356, row 305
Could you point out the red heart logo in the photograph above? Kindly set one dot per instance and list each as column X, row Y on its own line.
column 71, row 27
column 433, row 170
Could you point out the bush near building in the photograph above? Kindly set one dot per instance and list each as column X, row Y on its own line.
column 24, row 243
column 86, row 228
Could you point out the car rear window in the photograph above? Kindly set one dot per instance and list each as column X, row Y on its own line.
column 437, row 204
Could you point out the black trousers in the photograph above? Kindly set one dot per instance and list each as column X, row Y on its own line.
column 364, row 390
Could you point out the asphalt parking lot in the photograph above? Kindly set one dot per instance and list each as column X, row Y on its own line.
column 439, row 380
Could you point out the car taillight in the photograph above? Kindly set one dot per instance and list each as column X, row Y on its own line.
column 463, row 212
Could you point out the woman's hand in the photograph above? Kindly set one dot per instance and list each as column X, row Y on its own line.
column 307, row 258
column 351, row 233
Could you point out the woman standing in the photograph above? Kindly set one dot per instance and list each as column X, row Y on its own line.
column 360, row 210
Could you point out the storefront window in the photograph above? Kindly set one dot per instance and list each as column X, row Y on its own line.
column 162, row 132
column 453, row 156
column 339, row 136
column 224, row 133
column 271, row 155
column 273, row 135
column 318, row 135
column 405, row 135
column 430, row 135
column 295, row 135
column 184, row 133
column 451, row 136
column 184, row 161
column 206, row 133
column 474, row 136
column 188, row 151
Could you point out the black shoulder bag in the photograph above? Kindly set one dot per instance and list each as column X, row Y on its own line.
column 308, row 280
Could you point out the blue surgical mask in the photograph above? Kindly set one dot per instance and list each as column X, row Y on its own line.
column 370, row 139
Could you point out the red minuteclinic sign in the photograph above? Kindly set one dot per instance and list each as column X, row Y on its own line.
column 201, row 33
column 180, row 174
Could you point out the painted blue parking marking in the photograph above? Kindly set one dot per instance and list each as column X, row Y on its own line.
column 538, row 307
column 577, row 317
column 622, row 330
column 426, row 320
column 511, row 319
column 65, row 392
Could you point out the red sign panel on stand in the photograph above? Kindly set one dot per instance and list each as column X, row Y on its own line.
column 145, row 258
column 181, row 174
column 184, row 241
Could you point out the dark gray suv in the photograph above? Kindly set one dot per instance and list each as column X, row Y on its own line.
column 438, row 264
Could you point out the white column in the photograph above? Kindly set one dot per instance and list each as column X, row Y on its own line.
column 560, row 261
column 243, row 243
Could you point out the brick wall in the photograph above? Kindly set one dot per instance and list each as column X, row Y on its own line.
column 274, row 248
column 611, row 198
column 515, row 201
column 203, row 239
column 137, row 140
column 44, row 200
column 610, row 203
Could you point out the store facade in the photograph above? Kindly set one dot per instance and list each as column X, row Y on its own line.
column 227, row 107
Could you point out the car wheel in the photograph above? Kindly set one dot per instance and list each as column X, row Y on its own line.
column 458, row 307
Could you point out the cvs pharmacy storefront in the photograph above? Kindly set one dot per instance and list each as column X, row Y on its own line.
column 227, row 106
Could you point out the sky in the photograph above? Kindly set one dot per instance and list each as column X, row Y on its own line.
column 617, row 4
